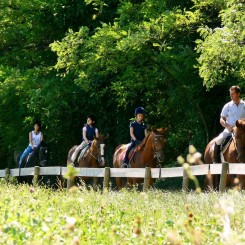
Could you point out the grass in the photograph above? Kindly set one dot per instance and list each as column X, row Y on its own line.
column 40, row 215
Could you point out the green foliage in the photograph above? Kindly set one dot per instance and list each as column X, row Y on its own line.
column 61, row 60
column 222, row 48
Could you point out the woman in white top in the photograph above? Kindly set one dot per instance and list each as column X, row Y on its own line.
column 35, row 138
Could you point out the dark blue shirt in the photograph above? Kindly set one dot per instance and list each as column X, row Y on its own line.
column 139, row 129
column 90, row 132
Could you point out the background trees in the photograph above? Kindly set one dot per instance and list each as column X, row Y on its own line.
column 61, row 60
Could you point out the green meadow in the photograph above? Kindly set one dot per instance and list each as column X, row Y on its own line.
column 40, row 215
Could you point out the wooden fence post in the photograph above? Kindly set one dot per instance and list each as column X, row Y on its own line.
column 223, row 176
column 70, row 182
column 36, row 175
column 147, row 179
column 7, row 174
column 106, row 179
column 185, row 183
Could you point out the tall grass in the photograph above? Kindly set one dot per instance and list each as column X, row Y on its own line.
column 42, row 216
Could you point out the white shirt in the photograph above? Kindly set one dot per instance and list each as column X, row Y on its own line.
column 36, row 139
column 233, row 112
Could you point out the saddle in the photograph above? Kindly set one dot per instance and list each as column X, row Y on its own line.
column 224, row 146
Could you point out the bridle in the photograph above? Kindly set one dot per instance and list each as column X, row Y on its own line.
column 155, row 150
column 98, row 156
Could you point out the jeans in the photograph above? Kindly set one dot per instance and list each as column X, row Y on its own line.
column 23, row 156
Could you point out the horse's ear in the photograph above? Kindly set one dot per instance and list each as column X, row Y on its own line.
column 238, row 123
column 154, row 130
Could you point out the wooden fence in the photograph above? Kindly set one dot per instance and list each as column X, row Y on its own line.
column 145, row 173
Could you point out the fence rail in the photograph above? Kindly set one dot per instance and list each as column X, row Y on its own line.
column 147, row 173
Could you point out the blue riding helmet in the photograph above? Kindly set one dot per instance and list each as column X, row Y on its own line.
column 140, row 110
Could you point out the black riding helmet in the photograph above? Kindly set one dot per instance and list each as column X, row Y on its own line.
column 139, row 110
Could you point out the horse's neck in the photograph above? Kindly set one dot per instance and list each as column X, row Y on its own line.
column 147, row 150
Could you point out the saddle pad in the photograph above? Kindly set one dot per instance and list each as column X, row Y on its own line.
column 226, row 143
column 83, row 152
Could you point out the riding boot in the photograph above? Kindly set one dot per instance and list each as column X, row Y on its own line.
column 216, row 153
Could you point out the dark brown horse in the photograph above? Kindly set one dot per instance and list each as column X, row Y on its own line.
column 92, row 158
column 235, row 153
column 149, row 153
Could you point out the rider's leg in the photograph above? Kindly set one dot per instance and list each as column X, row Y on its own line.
column 24, row 154
column 219, row 140
column 126, row 160
column 77, row 150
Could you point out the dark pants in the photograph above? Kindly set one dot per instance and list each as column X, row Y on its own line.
column 130, row 147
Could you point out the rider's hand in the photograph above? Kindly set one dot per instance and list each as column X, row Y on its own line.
column 89, row 143
column 137, row 142
column 230, row 128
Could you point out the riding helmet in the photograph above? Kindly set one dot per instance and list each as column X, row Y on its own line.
column 139, row 110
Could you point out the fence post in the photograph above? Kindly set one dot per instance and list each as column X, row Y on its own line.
column 7, row 174
column 70, row 182
column 106, row 179
column 147, row 179
column 185, row 183
column 223, row 176
column 36, row 175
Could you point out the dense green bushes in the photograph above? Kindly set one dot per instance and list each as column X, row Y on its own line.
column 61, row 60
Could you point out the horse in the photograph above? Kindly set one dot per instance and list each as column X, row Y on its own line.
column 92, row 158
column 149, row 153
column 234, row 153
column 38, row 157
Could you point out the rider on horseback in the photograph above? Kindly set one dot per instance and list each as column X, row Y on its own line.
column 138, row 131
column 35, row 139
column 231, row 112
column 89, row 132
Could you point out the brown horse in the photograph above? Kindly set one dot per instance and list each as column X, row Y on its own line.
column 92, row 158
column 149, row 153
column 233, row 154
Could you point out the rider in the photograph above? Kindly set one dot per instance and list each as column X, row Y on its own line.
column 138, row 131
column 89, row 132
column 231, row 112
column 35, row 139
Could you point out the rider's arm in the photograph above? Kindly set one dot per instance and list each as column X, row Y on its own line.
column 41, row 136
column 97, row 133
column 145, row 132
column 85, row 136
column 30, row 139
column 132, row 133
column 225, row 124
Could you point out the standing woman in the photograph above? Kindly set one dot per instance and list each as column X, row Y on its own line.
column 35, row 138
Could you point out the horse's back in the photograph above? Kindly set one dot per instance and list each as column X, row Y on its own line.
column 208, row 154
column 118, row 155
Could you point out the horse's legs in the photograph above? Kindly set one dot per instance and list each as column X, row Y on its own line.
column 95, row 183
column 119, row 183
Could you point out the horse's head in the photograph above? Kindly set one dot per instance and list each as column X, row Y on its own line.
column 98, row 146
column 43, row 156
column 239, row 133
column 159, row 142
